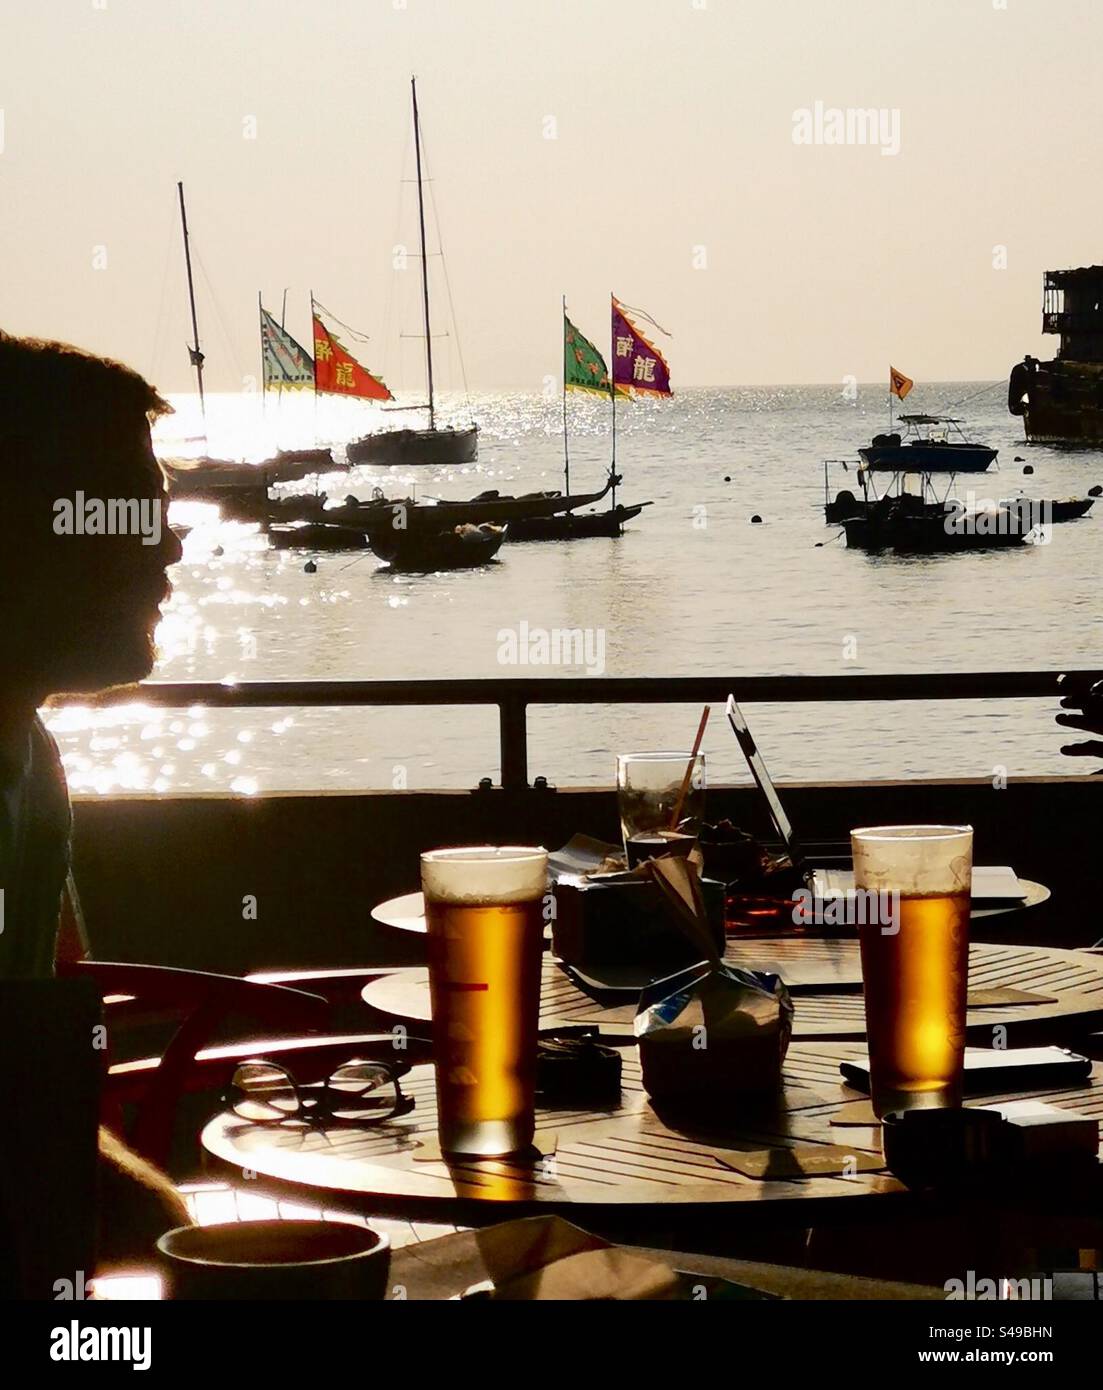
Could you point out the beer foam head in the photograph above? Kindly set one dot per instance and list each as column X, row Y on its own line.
column 913, row 858
column 484, row 874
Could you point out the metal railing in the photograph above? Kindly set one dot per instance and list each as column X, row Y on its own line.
column 513, row 696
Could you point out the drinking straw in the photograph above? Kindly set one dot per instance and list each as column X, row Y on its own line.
column 684, row 790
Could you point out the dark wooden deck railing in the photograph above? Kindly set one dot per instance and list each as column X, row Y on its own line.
column 513, row 696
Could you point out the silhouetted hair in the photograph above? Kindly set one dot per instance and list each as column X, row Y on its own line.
column 54, row 396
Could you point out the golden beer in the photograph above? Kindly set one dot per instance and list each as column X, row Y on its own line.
column 915, row 985
column 915, row 969
column 484, row 912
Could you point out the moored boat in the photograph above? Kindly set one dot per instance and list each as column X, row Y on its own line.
column 425, row 518
column 312, row 535
column 459, row 547
column 1025, row 512
column 435, row 446
column 192, row 477
column 911, row 527
column 1029, row 512
column 930, row 444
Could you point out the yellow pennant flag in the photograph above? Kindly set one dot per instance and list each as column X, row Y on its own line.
column 899, row 384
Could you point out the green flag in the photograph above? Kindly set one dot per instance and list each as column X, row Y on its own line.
column 584, row 367
column 285, row 363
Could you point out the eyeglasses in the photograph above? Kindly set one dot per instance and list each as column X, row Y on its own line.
column 357, row 1093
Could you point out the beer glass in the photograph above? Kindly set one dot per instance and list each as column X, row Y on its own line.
column 648, row 787
column 915, row 960
column 484, row 912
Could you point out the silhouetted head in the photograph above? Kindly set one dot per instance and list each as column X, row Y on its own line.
column 84, row 536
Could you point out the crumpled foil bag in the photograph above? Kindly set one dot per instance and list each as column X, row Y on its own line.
column 715, row 1031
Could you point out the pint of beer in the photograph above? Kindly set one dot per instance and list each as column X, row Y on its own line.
column 484, row 911
column 915, row 960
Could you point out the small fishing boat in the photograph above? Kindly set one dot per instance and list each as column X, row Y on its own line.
column 847, row 504
column 192, row 477
column 1025, row 512
column 1032, row 511
column 910, row 526
column 460, row 547
column 930, row 444
column 429, row 517
column 313, row 460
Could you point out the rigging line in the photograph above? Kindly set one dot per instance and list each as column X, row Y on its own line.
column 361, row 337
column 992, row 386
column 213, row 301
column 642, row 314
column 357, row 558
column 447, row 284
column 389, row 309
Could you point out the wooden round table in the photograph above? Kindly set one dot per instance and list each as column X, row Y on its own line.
column 633, row 1166
column 1039, row 994
column 623, row 1156
column 625, row 1168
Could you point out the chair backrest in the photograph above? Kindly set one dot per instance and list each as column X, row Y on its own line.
column 49, row 1101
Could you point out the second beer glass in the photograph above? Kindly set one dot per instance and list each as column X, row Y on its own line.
column 915, row 966
column 484, row 912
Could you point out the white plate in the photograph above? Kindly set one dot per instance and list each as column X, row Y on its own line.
column 406, row 913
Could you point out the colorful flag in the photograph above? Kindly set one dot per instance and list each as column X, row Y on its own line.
column 899, row 384
column 584, row 367
column 286, row 364
column 638, row 365
column 338, row 372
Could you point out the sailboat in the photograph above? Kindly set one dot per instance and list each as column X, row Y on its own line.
column 584, row 369
column 210, row 478
column 438, row 445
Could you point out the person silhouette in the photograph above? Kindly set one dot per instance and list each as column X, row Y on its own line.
column 84, row 552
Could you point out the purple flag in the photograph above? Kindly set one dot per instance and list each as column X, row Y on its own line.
column 637, row 364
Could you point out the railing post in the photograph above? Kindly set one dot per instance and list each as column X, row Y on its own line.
column 513, row 727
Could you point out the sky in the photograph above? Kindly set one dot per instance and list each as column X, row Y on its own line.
column 644, row 147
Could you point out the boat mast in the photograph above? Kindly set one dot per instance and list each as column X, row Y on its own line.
column 566, row 454
column 194, row 351
column 890, row 400
column 424, row 256
column 314, row 344
column 283, row 324
column 613, row 392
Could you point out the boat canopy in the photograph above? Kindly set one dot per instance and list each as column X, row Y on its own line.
column 928, row 420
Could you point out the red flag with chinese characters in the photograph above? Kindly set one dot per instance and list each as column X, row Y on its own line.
column 339, row 373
